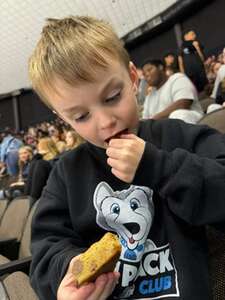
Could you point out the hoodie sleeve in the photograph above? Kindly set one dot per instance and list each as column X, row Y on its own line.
column 53, row 238
column 190, row 179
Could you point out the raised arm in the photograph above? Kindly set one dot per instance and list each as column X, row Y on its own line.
column 180, row 104
column 184, row 163
column 199, row 51
column 181, row 64
column 191, row 175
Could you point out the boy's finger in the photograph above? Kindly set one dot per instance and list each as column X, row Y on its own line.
column 122, row 141
column 115, row 164
column 84, row 292
column 109, row 287
column 68, row 280
column 100, row 283
column 114, row 152
column 71, row 263
column 128, row 136
column 117, row 143
column 68, row 286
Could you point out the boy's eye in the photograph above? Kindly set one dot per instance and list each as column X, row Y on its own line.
column 82, row 117
column 114, row 97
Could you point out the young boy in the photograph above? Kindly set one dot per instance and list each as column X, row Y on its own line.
column 154, row 183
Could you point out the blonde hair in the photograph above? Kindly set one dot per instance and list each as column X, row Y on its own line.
column 20, row 162
column 27, row 149
column 47, row 147
column 71, row 49
column 77, row 140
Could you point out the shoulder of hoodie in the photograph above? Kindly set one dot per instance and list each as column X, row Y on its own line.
column 73, row 155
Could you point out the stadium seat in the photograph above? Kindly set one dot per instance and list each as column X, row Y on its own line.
column 12, row 225
column 24, row 248
column 16, row 286
column 3, row 206
column 215, row 119
column 205, row 103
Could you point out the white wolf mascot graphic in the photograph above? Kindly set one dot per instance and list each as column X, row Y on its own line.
column 129, row 213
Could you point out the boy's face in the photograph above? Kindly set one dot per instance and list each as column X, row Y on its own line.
column 100, row 110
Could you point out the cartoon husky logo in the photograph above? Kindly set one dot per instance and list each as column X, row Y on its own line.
column 129, row 213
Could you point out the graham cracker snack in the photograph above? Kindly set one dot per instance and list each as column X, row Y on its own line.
column 100, row 258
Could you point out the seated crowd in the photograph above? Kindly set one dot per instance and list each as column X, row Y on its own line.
column 28, row 157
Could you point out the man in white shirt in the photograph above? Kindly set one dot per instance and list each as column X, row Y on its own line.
column 171, row 97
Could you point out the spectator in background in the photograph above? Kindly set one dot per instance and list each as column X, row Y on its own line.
column 191, row 60
column 171, row 63
column 47, row 148
column 212, row 70
column 30, row 137
column 25, row 157
column 216, row 68
column 219, row 77
column 220, row 98
column 171, row 97
column 2, row 169
column 41, row 133
column 9, row 152
column 72, row 140
column 40, row 167
column 142, row 87
column 16, row 188
column 55, row 133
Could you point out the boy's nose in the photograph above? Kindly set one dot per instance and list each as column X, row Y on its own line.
column 105, row 120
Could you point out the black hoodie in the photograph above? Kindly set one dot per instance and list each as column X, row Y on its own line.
column 160, row 218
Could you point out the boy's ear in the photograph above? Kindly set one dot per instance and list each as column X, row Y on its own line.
column 133, row 75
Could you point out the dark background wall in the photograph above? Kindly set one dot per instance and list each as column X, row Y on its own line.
column 208, row 21
column 6, row 113
column 154, row 47
column 32, row 110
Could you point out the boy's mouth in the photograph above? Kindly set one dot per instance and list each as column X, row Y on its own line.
column 117, row 135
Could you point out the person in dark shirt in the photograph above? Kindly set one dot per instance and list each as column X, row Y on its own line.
column 40, row 167
column 191, row 60
column 171, row 63
column 155, row 183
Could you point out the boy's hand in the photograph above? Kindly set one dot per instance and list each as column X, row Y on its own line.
column 124, row 155
column 101, row 289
